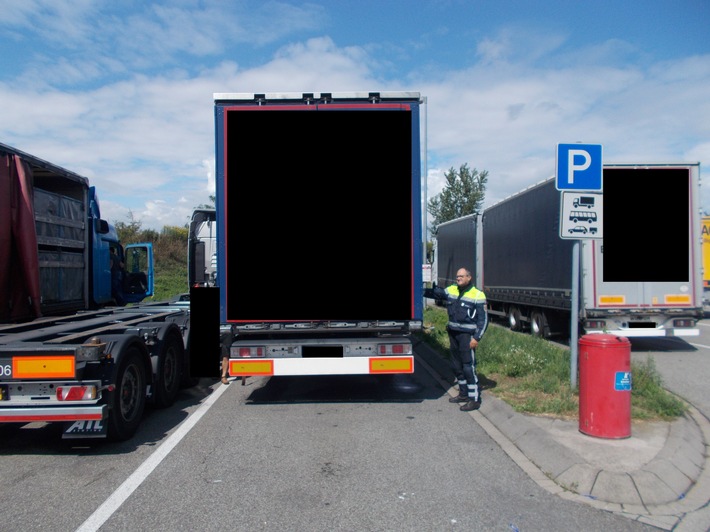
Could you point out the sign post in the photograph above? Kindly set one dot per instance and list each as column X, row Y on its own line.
column 579, row 171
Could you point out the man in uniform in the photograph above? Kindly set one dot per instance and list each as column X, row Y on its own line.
column 468, row 319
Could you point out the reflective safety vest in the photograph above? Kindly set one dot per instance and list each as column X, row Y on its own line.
column 467, row 311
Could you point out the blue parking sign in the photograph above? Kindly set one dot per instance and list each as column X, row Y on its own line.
column 579, row 167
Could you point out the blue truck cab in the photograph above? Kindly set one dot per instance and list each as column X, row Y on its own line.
column 130, row 280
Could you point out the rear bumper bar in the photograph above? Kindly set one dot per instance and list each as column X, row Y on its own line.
column 52, row 414
column 321, row 366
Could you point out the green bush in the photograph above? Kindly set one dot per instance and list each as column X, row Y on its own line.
column 169, row 256
column 648, row 394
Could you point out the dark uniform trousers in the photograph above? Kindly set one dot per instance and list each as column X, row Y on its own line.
column 463, row 362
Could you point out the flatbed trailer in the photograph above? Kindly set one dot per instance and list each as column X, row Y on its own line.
column 94, row 371
column 70, row 351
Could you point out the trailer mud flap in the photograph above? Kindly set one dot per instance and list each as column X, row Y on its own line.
column 90, row 428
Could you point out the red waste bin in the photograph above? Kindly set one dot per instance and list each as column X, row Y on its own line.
column 605, row 386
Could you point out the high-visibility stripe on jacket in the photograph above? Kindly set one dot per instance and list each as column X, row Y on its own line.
column 467, row 311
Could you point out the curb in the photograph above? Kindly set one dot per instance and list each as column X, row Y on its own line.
column 671, row 491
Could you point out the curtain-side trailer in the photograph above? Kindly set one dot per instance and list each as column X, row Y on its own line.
column 305, row 185
column 629, row 285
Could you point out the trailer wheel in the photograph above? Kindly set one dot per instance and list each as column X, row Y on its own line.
column 515, row 319
column 169, row 377
column 128, row 401
column 538, row 324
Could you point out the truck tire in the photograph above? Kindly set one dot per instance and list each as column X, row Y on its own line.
column 515, row 320
column 128, row 401
column 538, row 324
column 171, row 361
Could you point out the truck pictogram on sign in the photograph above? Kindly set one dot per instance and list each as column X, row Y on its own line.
column 581, row 216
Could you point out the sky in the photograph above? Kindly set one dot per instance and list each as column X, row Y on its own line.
column 121, row 91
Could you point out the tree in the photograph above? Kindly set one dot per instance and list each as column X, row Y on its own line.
column 213, row 200
column 463, row 194
column 169, row 254
column 128, row 232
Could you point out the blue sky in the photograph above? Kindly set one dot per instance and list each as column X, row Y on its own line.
column 121, row 91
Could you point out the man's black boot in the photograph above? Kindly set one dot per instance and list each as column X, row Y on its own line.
column 470, row 405
column 458, row 399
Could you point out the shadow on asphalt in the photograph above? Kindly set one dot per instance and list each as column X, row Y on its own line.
column 660, row 344
column 415, row 387
column 46, row 438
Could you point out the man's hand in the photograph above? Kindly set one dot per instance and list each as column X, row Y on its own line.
column 473, row 344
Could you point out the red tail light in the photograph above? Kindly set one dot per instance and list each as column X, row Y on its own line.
column 76, row 393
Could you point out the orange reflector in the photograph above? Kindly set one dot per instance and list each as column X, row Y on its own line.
column 42, row 367
column 248, row 367
column 677, row 298
column 612, row 300
column 392, row 365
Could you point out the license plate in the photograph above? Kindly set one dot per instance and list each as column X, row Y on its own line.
column 5, row 368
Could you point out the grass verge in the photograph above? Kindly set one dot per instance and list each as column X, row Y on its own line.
column 532, row 375
column 170, row 280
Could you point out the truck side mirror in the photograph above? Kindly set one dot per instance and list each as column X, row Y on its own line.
column 101, row 227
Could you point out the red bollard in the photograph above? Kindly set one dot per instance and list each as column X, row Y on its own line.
column 605, row 386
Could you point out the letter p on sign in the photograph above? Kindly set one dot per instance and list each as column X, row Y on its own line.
column 579, row 167
column 572, row 167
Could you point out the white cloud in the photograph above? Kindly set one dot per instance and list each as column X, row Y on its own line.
column 147, row 140
column 62, row 21
column 508, row 118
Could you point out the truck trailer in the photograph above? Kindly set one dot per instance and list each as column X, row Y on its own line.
column 69, row 351
column 706, row 256
column 319, row 246
column 642, row 279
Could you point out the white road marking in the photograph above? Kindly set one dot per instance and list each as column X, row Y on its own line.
column 700, row 345
column 118, row 497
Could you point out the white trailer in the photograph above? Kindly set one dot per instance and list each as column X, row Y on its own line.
column 643, row 279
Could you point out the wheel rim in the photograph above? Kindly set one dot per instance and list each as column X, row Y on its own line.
column 538, row 324
column 535, row 326
column 130, row 390
column 514, row 319
column 170, row 368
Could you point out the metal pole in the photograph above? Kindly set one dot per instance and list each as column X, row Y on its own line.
column 574, row 316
